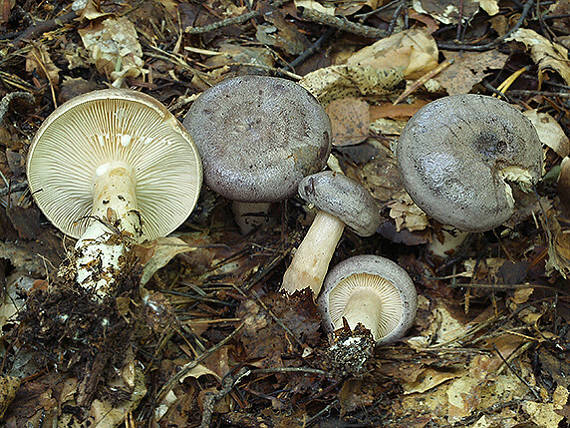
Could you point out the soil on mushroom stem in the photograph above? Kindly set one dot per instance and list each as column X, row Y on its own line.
column 63, row 325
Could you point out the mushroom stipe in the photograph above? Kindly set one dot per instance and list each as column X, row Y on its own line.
column 114, row 167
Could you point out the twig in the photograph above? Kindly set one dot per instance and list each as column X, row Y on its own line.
column 497, row 41
column 212, row 398
column 236, row 20
column 364, row 16
column 495, row 91
column 167, row 387
column 424, row 79
column 312, row 49
column 531, row 389
column 343, row 24
column 394, row 19
column 526, row 92
column 43, row 27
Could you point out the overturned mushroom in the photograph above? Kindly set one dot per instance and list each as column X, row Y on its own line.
column 112, row 162
column 341, row 201
column 258, row 137
column 458, row 154
column 370, row 290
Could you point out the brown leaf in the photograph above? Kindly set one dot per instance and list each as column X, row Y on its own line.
column 350, row 120
column 413, row 51
column 397, row 111
column 468, row 69
column 281, row 34
column 39, row 61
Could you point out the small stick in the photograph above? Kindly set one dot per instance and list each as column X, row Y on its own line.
column 43, row 27
column 236, row 20
column 424, row 79
column 343, row 24
column 497, row 41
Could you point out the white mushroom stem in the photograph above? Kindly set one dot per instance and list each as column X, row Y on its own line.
column 311, row 261
column 114, row 211
column 451, row 242
column 250, row 215
column 364, row 306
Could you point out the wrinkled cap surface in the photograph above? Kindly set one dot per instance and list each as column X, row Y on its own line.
column 455, row 153
column 394, row 283
column 344, row 198
column 258, row 137
column 114, row 125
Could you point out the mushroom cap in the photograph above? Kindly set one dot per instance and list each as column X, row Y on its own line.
column 394, row 285
column 455, row 154
column 258, row 137
column 114, row 125
column 344, row 198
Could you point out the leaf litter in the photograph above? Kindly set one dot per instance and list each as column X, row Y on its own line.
column 198, row 334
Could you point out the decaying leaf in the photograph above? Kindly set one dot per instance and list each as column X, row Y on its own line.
column 231, row 53
column 158, row 253
column 428, row 379
column 546, row 54
column 8, row 387
column 558, row 249
column 468, row 69
column 39, row 61
column 398, row 111
column 281, row 34
column 339, row 81
column 446, row 11
column 315, row 5
column 549, row 131
column 413, row 51
column 547, row 414
column 407, row 214
column 350, row 120
column 114, row 48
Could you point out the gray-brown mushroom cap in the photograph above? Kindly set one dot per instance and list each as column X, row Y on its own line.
column 344, row 198
column 258, row 137
column 457, row 153
column 396, row 292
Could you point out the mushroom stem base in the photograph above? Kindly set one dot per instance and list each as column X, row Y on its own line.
column 311, row 261
column 100, row 249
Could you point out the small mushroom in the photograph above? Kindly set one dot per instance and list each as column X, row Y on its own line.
column 258, row 137
column 457, row 155
column 370, row 290
column 341, row 201
column 107, row 162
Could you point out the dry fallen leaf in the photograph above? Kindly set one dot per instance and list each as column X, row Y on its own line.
column 39, row 61
column 544, row 53
column 114, row 48
column 339, row 81
column 549, row 131
column 468, row 69
column 446, row 11
column 413, row 51
column 407, row 214
column 282, row 34
column 398, row 111
column 160, row 252
column 350, row 120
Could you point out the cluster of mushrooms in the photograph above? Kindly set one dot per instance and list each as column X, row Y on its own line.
column 113, row 168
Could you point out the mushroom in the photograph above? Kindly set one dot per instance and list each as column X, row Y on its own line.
column 341, row 201
column 258, row 137
column 457, row 155
column 112, row 162
column 370, row 290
